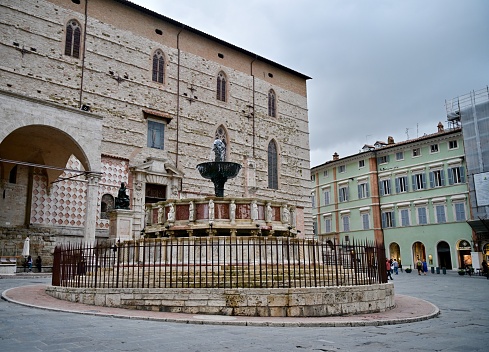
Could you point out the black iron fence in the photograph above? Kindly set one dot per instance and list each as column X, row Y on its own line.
column 225, row 262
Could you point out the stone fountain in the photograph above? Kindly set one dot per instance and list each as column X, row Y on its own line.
column 219, row 170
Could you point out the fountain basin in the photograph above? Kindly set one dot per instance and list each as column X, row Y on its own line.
column 219, row 172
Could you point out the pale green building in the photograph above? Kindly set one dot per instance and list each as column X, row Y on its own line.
column 411, row 195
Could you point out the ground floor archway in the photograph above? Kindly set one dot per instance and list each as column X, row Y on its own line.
column 464, row 256
column 444, row 256
column 419, row 251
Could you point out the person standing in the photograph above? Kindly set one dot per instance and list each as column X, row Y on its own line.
column 39, row 263
column 29, row 263
column 388, row 268
column 395, row 265
column 425, row 266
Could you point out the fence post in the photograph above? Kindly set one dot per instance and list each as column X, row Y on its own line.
column 55, row 280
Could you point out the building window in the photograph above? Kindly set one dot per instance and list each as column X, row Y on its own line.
column 437, row 178
column 221, row 87
column 313, row 177
column 106, row 205
column 327, row 225
column 327, row 196
column 399, row 156
column 361, row 163
column 313, row 200
column 416, row 152
column 422, row 215
column 325, row 173
column 434, row 148
column 73, row 39
column 388, row 219
column 366, row 221
column 440, row 214
column 404, row 217
column 346, row 222
column 158, row 66
column 452, row 144
column 272, row 165
column 363, row 190
column 342, row 168
column 385, row 187
column 419, row 182
column 383, row 159
column 456, row 175
column 402, row 184
column 459, row 211
column 343, row 192
column 156, row 135
column 12, row 176
column 271, row 103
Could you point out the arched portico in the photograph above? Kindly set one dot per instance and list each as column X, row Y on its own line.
column 36, row 134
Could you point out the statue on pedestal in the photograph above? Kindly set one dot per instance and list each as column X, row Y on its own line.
column 122, row 199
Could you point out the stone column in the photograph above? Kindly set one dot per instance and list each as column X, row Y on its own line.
column 91, row 208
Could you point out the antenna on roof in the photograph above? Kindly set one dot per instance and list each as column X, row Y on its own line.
column 407, row 133
column 417, row 130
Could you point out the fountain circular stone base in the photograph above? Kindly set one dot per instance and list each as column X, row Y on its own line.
column 219, row 172
column 262, row 302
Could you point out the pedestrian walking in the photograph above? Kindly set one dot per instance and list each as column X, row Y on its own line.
column 425, row 266
column 395, row 265
column 419, row 266
column 388, row 267
column 39, row 263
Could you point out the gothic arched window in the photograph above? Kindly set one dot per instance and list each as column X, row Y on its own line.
column 73, row 39
column 272, row 104
column 158, row 66
column 221, row 87
column 272, row 165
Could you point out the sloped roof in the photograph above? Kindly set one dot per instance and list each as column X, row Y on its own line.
column 208, row 36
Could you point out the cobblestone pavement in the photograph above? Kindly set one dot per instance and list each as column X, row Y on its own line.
column 461, row 326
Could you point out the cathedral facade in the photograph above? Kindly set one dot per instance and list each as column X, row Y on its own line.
column 99, row 93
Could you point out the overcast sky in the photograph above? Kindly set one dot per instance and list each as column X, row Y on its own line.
column 379, row 67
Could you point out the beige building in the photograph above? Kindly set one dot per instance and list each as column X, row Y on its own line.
column 96, row 93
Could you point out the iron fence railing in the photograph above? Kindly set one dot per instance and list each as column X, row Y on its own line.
column 225, row 262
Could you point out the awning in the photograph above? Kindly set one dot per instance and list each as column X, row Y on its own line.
column 480, row 227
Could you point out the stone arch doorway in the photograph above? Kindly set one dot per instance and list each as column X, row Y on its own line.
column 444, row 256
column 395, row 252
column 38, row 155
column 419, row 251
column 42, row 145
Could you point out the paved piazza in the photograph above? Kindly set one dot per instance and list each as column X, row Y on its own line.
column 462, row 325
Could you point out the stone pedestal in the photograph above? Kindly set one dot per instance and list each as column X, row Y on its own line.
column 121, row 222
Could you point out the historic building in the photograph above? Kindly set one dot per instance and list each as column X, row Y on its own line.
column 412, row 196
column 98, row 93
column 471, row 111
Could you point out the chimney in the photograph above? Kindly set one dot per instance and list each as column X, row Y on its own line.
column 336, row 156
column 440, row 127
column 390, row 140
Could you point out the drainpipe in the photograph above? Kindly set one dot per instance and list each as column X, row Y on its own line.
column 253, row 107
column 178, row 94
column 83, row 55
column 379, row 238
